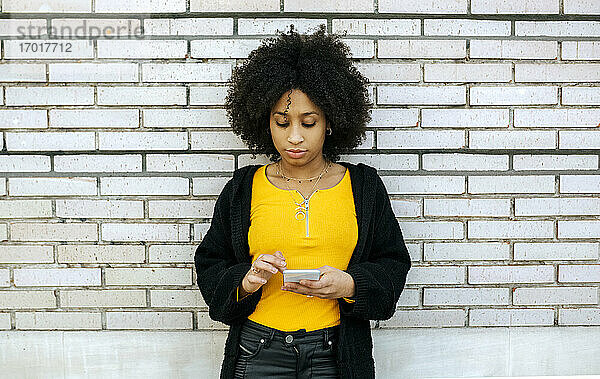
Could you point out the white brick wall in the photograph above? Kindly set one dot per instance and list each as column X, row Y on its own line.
column 113, row 154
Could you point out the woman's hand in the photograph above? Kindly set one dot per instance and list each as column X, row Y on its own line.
column 266, row 265
column 333, row 283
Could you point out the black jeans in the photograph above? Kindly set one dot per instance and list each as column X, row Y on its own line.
column 266, row 352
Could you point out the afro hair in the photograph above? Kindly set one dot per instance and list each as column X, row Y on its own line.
column 319, row 65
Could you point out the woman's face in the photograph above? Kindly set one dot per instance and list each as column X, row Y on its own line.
column 303, row 129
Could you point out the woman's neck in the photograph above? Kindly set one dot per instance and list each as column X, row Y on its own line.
column 308, row 170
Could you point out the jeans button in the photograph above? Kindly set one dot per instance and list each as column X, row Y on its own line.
column 289, row 338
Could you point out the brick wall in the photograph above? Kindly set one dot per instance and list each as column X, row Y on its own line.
column 114, row 148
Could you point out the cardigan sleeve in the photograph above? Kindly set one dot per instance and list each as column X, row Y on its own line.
column 218, row 273
column 380, row 279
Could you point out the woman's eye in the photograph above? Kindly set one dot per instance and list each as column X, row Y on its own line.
column 286, row 124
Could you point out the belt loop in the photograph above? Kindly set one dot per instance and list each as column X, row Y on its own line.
column 326, row 340
column 270, row 338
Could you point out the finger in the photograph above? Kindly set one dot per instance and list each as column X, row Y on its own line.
column 262, row 265
column 274, row 261
column 255, row 279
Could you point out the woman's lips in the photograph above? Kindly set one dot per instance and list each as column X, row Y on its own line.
column 299, row 154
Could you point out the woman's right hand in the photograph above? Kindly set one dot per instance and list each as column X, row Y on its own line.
column 267, row 265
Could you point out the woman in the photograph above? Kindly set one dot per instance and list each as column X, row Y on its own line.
column 299, row 100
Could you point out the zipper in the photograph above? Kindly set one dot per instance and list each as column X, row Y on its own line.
column 306, row 208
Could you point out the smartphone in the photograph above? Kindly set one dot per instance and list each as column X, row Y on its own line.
column 296, row 275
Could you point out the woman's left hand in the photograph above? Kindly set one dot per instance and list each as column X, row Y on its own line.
column 333, row 283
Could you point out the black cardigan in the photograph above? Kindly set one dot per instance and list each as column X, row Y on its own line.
column 378, row 265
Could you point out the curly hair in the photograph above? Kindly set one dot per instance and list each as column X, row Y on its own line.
column 319, row 65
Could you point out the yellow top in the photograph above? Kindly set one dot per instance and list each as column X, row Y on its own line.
column 327, row 236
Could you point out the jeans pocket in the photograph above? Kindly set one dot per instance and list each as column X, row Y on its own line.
column 250, row 347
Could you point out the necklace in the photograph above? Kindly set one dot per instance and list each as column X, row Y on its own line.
column 302, row 207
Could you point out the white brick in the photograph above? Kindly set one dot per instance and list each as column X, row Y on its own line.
column 391, row 72
column 182, row 118
column 467, row 207
column 25, row 209
column 148, row 276
column 436, row 275
column 226, row 6
column 206, row 323
column 578, row 229
column 17, row 27
column 143, row 140
column 145, row 232
column 189, row 162
column 570, row 139
column 76, row 232
column 465, row 118
column 555, row 251
column 105, row 27
column 583, row 316
column 49, row 95
column 27, row 299
column 144, row 186
column 4, row 277
column 409, row 162
column 514, row 6
column 431, row 95
column 555, row 162
column 394, row 117
column 223, row 48
column 513, row 139
column 555, row 72
column 405, row 27
column 188, row 26
column 409, row 298
column 511, row 317
column 99, row 208
column 102, row 298
column 468, row 72
column 350, row 6
column 176, row 299
column 424, row 184
column 466, row 296
column 148, row 320
column 139, row 6
column 142, row 95
column 142, row 49
column 260, row 26
column 98, row 163
column 5, row 321
column 23, row 118
column 555, row 295
column 406, row 208
column 420, row 6
column 361, row 48
column 518, row 95
column 24, row 163
column 3, row 231
column 180, row 208
column 22, row 72
column 48, row 49
column 57, row 277
column 93, row 72
column 165, row 253
column 26, row 254
column 207, row 95
column 425, row 318
column 513, row 49
column 465, row 162
column 510, row 229
column 511, row 274
column 557, row 206
column 580, row 96
column 581, row 7
column 94, row 118
column 580, row 183
column 100, row 254
column 466, row 27
column 47, row 6
column 558, row 28
column 421, row 139
column 556, row 118
column 50, row 141
column 432, row 230
column 52, row 186
column 186, row 72
column 580, row 50
column 466, row 251
column 58, row 321
column 579, row 273
column 438, row 49
column 216, row 141
column 511, row 184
